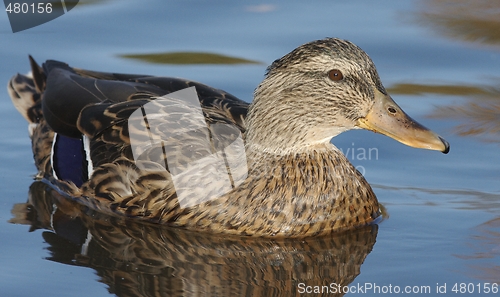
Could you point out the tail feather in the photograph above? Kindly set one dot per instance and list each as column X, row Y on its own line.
column 26, row 93
column 38, row 75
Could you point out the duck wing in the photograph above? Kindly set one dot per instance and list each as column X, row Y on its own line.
column 67, row 91
column 90, row 112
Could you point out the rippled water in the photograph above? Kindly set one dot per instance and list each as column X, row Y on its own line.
column 440, row 61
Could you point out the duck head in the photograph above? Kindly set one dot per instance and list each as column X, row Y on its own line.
column 321, row 89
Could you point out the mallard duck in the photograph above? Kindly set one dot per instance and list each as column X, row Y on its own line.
column 295, row 182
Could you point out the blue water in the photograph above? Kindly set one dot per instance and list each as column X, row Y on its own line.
column 443, row 210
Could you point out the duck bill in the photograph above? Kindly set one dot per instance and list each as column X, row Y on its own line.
column 387, row 118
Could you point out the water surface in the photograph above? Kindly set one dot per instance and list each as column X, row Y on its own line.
column 440, row 60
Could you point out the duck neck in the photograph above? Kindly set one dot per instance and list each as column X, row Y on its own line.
column 280, row 121
column 273, row 136
column 309, row 169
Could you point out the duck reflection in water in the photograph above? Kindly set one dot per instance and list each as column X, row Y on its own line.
column 141, row 259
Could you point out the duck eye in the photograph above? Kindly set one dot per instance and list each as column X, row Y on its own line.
column 335, row 75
